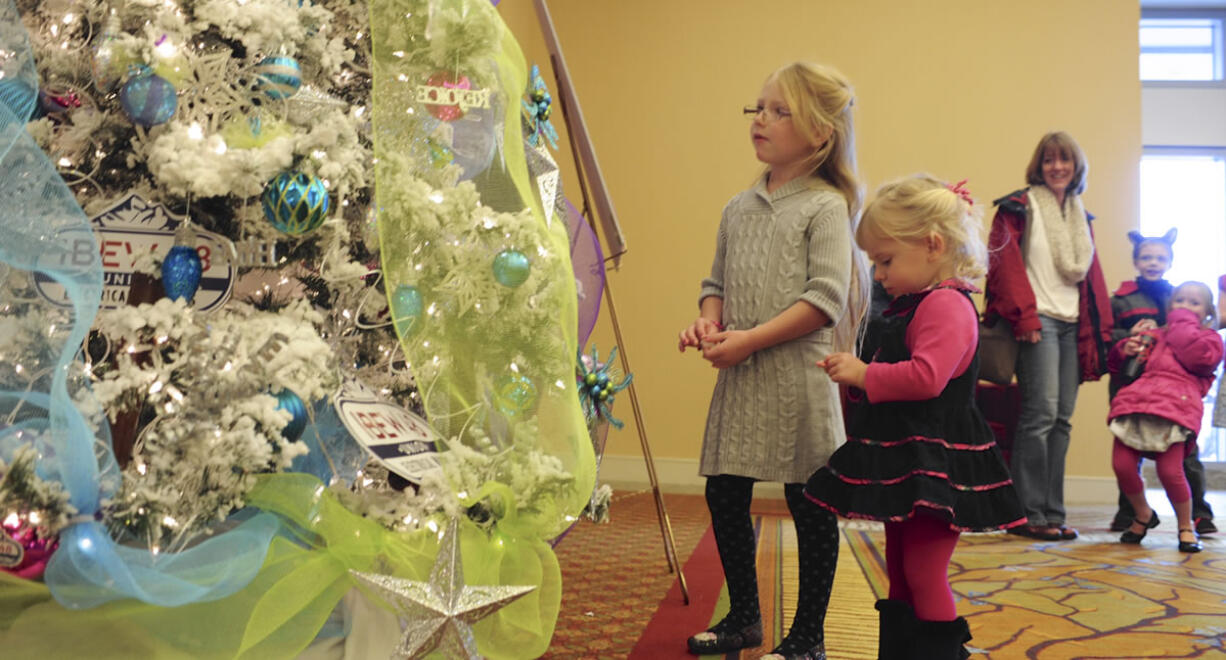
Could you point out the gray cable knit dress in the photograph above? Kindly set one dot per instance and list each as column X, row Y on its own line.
column 776, row 416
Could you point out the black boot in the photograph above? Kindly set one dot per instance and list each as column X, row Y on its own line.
column 941, row 640
column 895, row 630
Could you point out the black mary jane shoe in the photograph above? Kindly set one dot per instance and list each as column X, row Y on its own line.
column 1132, row 537
column 1190, row 546
column 816, row 653
column 722, row 638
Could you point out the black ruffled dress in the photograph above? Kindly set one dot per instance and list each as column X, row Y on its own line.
column 937, row 456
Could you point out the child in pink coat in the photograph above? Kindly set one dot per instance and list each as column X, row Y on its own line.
column 1159, row 414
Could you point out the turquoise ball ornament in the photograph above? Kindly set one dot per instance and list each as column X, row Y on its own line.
column 148, row 99
column 291, row 403
column 296, row 203
column 511, row 268
column 181, row 270
column 406, row 309
column 278, row 77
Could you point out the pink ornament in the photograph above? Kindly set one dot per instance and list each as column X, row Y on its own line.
column 437, row 101
column 22, row 552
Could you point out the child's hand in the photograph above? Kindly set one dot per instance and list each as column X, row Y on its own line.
column 697, row 333
column 845, row 369
column 1143, row 325
column 1132, row 346
column 728, row 348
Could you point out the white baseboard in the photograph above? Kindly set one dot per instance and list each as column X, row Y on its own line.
column 680, row 475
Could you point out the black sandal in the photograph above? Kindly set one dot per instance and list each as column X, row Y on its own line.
column 1132, row 537
column 722, row 638
column 1190, row 546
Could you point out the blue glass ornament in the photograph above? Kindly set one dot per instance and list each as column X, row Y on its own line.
column 278, row 77
column 181, row 272
column 296, row 203
column 515, row 395
column 149, row 99
column 406, row 309
column 291, row 403
column 511, row 268
column 474, row 140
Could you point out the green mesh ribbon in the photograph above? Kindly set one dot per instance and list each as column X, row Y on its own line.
column 492, row 352
column 301, row 582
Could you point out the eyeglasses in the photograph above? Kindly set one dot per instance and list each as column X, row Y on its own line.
column 770, row 114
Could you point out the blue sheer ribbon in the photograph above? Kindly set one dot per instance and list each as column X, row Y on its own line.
column 48, row 239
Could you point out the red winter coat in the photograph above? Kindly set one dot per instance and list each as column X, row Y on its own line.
column 1008, row 294
column 1177, row 375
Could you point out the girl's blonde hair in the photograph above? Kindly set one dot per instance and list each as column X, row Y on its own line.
column 910, row 210
column 1206, row 297
column 820, row 99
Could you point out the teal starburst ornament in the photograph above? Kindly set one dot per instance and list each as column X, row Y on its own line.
column 438, row 615
column 597, row 386
column 538, row 107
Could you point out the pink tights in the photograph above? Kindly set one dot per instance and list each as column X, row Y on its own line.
column 917, row 554
column 1127, row 464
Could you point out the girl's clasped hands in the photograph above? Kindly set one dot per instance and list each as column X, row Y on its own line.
column 722, row 348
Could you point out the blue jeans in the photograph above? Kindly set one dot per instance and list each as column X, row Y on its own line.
column 1047, row 379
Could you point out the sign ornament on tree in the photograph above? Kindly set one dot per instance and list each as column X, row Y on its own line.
column 132, row 229
column 439, row 614
column 451, row 98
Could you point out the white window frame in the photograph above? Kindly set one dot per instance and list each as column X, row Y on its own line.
column 1208, row 434
column 1219, row 54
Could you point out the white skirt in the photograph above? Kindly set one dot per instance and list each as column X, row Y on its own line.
column 1148, row 432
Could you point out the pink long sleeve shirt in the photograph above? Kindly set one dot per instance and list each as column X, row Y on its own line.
column 943, row 337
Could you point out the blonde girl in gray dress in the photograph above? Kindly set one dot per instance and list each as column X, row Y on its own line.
column 787, row 288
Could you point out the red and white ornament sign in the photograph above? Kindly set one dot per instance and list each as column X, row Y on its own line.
column 400, row 440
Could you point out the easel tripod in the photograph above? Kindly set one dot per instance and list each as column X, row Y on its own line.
column 589, row 174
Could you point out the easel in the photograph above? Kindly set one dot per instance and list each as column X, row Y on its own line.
column 589, row 174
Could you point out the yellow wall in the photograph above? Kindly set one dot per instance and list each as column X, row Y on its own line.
column 958, row 88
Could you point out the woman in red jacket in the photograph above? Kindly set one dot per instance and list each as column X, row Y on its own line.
column 1045, row 281
column 1160, row 413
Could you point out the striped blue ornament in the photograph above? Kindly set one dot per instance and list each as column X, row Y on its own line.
column 291, row 403
column 295, row 202
column 181, row 270
column 278, row 77
column 149, row 99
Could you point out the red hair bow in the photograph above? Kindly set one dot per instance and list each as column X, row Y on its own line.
column 960, row 190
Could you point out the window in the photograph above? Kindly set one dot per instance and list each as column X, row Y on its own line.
column 1186, row 189
column 1181, row 49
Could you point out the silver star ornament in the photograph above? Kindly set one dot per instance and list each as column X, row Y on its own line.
column 439, row 614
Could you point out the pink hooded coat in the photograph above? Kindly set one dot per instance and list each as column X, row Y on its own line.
column 1177, row 375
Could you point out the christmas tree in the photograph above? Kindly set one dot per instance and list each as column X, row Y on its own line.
column 287, row 197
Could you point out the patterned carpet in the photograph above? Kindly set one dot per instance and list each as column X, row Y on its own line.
column 1092, row 598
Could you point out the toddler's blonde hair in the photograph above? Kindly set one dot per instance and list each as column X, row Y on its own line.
column 911, row 209
column 1206, row 297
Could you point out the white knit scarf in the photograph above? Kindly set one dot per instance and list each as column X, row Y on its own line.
column 1068, row 232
